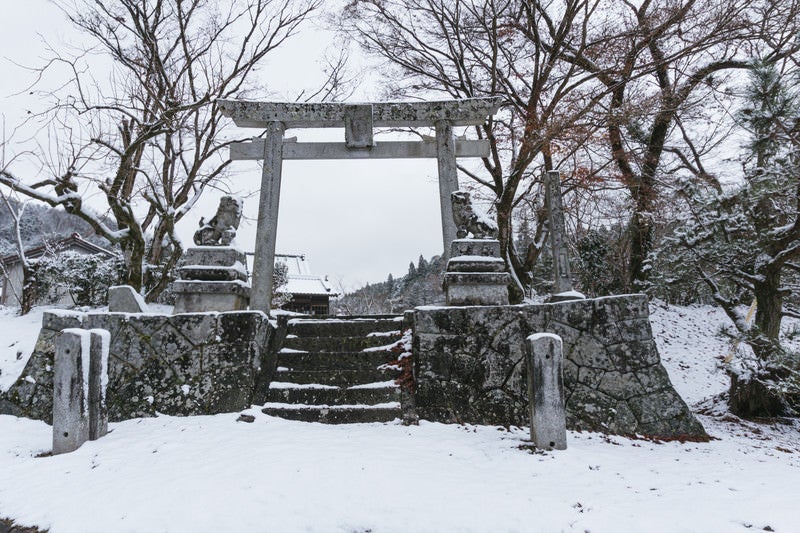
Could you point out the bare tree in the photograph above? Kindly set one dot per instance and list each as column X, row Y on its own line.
column 149, row 139
column 470, row 48
column 663, row 64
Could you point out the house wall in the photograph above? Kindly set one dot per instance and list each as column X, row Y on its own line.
column 12, row 286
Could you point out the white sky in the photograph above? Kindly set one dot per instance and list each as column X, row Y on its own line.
column 372, row 217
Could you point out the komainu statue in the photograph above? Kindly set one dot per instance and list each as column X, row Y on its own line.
column 220, row 230
column 467, row 221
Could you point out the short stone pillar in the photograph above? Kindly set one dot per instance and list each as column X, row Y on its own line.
column 212, row 278
column 546, row 391
column 476, row 274
column 80, row 376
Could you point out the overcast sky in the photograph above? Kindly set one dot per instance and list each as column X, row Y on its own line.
column 356, row 221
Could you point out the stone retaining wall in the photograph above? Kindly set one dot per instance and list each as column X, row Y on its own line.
column 470, row 366
column 187, row 364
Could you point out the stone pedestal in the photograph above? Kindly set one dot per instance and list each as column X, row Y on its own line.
column 476, row 274
column 212, row 278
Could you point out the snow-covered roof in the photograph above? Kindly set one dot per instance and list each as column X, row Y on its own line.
column 311, row 285
column 301, row 280
column 73, row 242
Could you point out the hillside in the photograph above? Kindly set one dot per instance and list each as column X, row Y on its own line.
column 422, row 285
column 42, row 223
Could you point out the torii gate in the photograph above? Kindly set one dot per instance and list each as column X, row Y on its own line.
column 358, row 121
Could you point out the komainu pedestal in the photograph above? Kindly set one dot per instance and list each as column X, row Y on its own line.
column 476, row 274
column 213, row 278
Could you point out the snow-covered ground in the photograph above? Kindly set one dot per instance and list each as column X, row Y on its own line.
column 216, row 474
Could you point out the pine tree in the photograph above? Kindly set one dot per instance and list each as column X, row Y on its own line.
column 743, row 243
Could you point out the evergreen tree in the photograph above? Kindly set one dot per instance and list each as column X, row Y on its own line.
column 743, row 242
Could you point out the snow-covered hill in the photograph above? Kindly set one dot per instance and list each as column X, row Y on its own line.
column 216, row 474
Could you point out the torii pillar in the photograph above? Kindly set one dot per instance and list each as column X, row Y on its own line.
column 358, row 121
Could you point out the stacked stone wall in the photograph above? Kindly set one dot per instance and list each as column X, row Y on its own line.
column 470, row 366
column 187, row 364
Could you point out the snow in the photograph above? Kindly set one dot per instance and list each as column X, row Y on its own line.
column 479, row 258
column 384, row 333
column 286, row 385
column 105, row 347
column 571, row 294
column 539, row 336
column 376, row 385
column 212, row 473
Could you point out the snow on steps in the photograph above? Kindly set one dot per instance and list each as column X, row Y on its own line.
column 334, row 371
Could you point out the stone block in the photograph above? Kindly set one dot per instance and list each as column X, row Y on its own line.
column 620, row 386
column 208, row 296
column 481, row 247
column 125, row 299
column 240, row 327
column 224, row 256
column 60, row 320
column 212, row 273
column 476, row 288
column 473, row 263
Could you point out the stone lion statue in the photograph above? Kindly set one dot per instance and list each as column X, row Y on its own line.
column 467, row 221
column 220, row 230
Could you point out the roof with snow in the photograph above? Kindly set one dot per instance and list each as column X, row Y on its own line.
column 301, row 280
column 73, row 242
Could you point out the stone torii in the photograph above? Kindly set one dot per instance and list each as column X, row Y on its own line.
column 358, row 121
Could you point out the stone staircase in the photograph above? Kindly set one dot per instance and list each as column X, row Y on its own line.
column 335, row 371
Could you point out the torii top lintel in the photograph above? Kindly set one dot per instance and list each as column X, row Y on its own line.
column 465, row 112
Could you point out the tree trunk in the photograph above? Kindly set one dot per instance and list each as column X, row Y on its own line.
column 133, row 252
column 769, row 305
column 28, row 293
column 505, row 235
column 750, row 396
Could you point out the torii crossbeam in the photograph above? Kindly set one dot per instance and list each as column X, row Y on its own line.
column 358, row 121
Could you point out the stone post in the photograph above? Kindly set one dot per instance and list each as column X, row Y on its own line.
column 80, row 377
column 267, row 225
column 555, row 209
column 98, row 382
column 71, row 390
column 448, row 180
column 546, row 391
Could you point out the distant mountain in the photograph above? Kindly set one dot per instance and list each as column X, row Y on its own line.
column 422, row 285
column 41, row 223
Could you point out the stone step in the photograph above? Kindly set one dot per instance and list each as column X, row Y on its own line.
column 338, row 344
column 342, row 414
column 341, row 327
column 334, row 360
column 382, row 392
column 337, row 378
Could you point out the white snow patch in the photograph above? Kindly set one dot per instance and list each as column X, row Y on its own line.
column 288, row 385
column 384, row 333
column 291, row 350
column 376, row 385
column 303, row 406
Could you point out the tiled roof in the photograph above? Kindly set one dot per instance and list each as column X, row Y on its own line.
column 71, row 242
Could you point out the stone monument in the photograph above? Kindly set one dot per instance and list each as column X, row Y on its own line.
column 476, row 272
column 213, row 274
